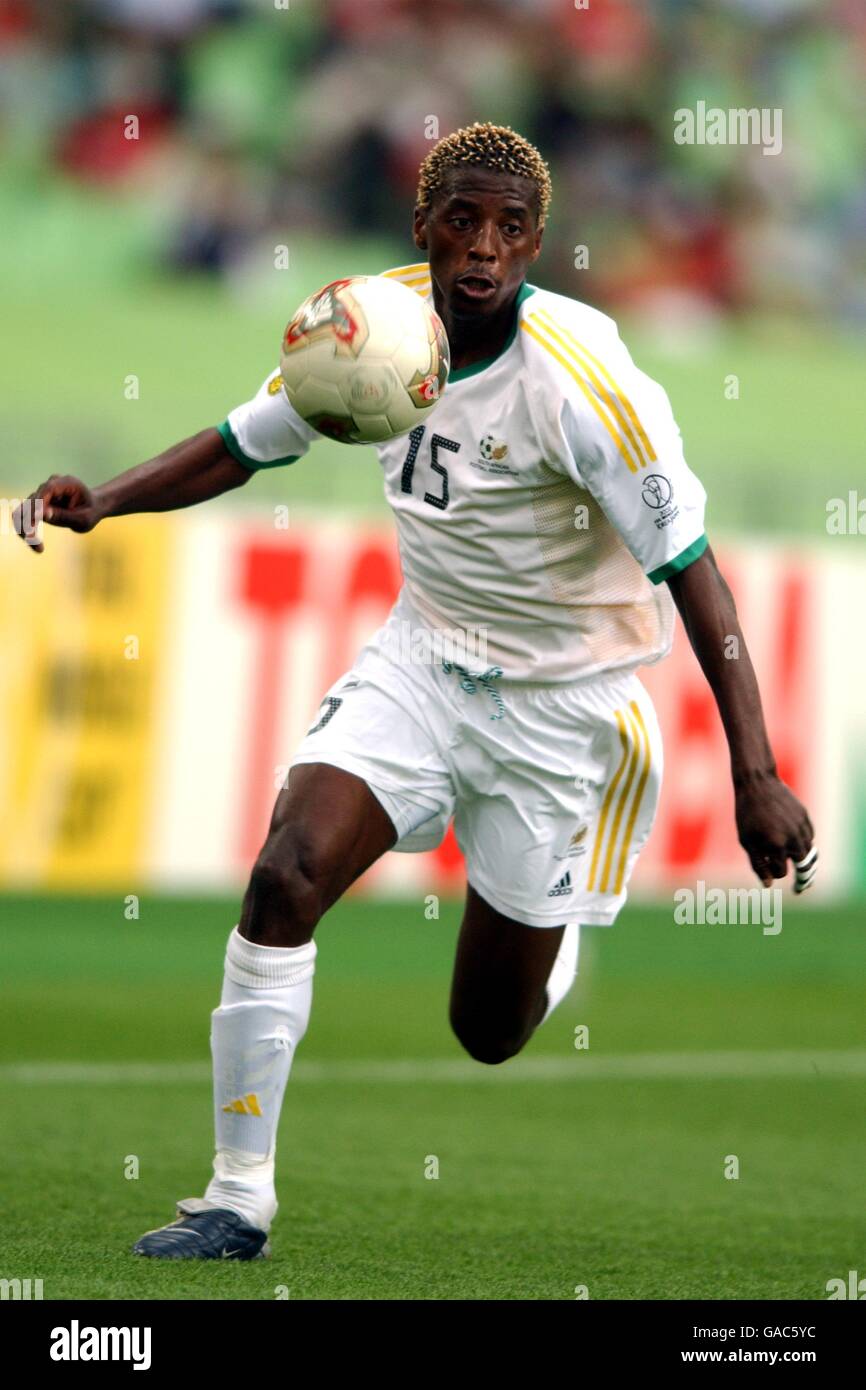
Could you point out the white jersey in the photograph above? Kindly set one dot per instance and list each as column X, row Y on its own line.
column 542, row 503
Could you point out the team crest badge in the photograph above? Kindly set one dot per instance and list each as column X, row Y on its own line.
column 576, row 845
column 493, row 449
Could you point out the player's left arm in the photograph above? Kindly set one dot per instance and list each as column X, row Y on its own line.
column 616, row 435
column 773, row 826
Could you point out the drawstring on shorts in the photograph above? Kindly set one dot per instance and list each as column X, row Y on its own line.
column 470, row 681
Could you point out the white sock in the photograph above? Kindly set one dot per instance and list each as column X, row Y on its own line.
column 263, row 1014
column 563, row 970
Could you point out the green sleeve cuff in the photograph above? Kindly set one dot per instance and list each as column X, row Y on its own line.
column 237, row 452
column 681, row 561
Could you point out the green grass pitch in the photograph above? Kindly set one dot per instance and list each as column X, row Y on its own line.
column 601, row 1167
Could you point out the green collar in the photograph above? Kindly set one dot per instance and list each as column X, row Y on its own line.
column 461, row 373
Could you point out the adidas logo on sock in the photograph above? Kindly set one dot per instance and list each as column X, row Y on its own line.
column 249, row 1105
column 563, row 887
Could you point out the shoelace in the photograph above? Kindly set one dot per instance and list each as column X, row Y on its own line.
column 470, row 681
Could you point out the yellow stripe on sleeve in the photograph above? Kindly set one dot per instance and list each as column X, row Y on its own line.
column 588, row 393
column 579, row 353
column 629, row 408
column 401, row 270
column 414, row 277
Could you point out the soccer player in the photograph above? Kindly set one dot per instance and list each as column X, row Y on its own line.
column 546, row 505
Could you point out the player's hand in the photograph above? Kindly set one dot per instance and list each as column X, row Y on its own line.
column 773, row 827
column 59, row 501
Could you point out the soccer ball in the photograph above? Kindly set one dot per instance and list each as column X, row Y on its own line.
column 364, row 359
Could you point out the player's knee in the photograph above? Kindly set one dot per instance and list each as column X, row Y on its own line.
column 285, row 898
column 491, row 1051
column 484, row 1044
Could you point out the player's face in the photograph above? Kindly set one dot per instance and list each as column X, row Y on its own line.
column 481, row 235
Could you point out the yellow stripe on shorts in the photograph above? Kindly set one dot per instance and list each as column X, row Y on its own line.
column 608, row 798
column 621, row 803
column 638, row 797
column 635, row 743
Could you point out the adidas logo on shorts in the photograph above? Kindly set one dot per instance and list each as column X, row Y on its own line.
column 562, row 888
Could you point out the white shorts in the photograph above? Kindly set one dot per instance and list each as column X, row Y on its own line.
column 553, row 789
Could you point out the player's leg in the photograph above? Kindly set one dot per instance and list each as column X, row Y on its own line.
column 368, row 771
column 556, row 797
column 327, row 828
column 507, row 979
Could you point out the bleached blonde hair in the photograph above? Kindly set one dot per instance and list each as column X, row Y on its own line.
column 490, row 147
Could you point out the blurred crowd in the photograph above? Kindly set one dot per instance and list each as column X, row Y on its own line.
column 261, row 119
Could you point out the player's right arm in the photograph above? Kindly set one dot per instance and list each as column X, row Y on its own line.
column 264, row 433
column 193, row 471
